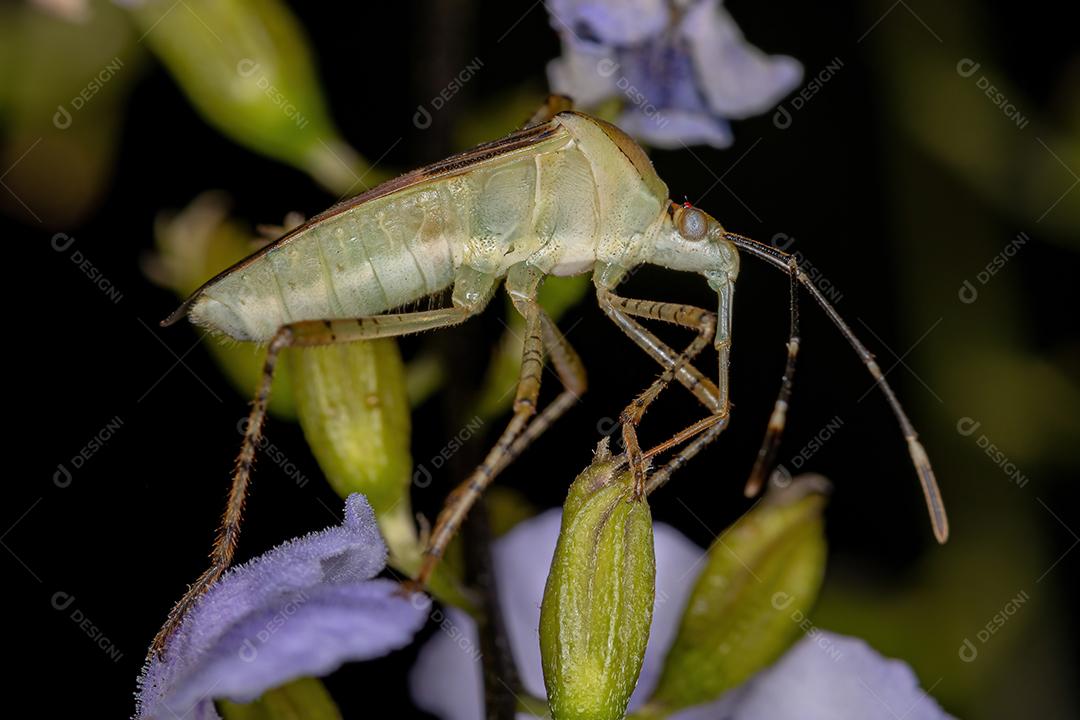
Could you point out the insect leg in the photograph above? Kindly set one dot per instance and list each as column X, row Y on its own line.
column 702, row 321
column 631, row 416
column 301, row 334
column 525, row 425
column 771, row 442
column 661, row 476
column 571, row 372
column 620, row 310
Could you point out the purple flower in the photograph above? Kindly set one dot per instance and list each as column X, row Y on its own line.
column 681, row 68
column 822, row 676
column 304, row 608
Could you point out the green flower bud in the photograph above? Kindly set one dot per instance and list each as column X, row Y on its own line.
column 598, row 602
column 761, row 578
column 248, row 68
column 355, row 416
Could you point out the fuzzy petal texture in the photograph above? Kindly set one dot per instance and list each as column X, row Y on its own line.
column 446, row 680
column 303, row 608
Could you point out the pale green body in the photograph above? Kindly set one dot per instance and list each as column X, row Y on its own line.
column 583, row 198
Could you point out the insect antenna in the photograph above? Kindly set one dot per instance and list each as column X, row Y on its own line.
column 788, row 263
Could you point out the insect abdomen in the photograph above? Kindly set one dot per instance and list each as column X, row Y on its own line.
column 373, row 258
column 386, row 253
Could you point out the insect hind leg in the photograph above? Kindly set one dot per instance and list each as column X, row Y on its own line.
column 525, row 425
column 308, row 333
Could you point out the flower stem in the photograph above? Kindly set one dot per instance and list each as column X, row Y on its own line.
column 502, row 685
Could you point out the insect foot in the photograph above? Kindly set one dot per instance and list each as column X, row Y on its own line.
column 598, row 602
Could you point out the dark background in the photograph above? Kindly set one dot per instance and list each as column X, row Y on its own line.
column 890, row 224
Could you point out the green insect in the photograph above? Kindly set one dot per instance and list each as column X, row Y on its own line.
column 565, row 195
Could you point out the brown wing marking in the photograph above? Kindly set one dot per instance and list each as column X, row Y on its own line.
column 453, row 165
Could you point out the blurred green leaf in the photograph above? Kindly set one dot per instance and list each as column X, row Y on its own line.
column 246, row 65
column 63, row 89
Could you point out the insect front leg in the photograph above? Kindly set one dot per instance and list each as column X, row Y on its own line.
column 525, row 426
column 301, row 334
column 705, row 323
column 631, row 416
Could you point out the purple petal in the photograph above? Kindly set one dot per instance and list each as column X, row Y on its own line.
column 673, row 129
column 678, row 84
column 826, row 677
column 585, row 74
column 446, row 679
column 737, row 79
column 607, row 22
column 303, row 608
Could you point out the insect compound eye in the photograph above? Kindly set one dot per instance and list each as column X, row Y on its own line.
column 692, row 223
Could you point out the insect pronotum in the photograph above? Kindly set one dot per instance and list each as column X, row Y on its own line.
column 567, row 194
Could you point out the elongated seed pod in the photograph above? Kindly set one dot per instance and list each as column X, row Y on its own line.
column 597, row 608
